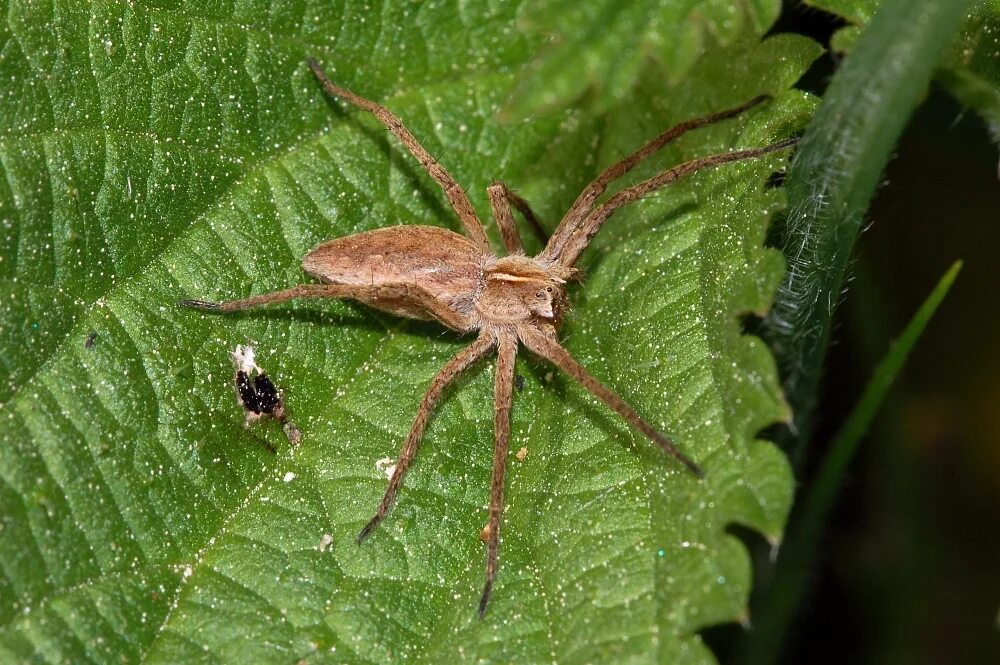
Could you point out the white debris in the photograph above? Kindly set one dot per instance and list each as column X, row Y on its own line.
column 289, row 477
column 386, row 465
column 245, row 359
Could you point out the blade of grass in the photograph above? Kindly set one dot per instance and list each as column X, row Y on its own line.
column 835, row 173
column 806, row 524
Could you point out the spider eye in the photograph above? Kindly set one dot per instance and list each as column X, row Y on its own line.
column 549, row 289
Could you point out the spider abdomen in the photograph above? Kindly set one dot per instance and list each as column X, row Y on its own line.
column 436, row 261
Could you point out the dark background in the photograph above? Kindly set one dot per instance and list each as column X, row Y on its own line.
column 909, row 568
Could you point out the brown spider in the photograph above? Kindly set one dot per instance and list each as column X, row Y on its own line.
column 427, row 272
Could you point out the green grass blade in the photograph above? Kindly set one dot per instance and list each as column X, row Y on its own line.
column 835, row 174
column 845, row 444
column 799, row 551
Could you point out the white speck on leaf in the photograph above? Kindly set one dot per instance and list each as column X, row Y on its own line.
column 387, row 466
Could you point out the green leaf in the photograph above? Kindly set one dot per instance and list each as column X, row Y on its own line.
column 155, row 153
column 855, row 11
column 602, row 46
column 970, row 69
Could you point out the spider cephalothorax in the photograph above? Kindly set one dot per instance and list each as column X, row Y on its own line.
column 427, row 272
column 517, row 290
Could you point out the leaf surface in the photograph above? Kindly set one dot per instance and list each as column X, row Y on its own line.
column 602, row 47
column 153, row 153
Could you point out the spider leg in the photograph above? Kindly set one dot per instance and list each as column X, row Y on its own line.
column 462, row 361
column 584, row 203
column 503, row 397
column 529, row 215
column 456, row 195
column 300, row 291
column 497, row 193
column 544, row 344
column 361, row 293
column 581, row 236
column 501, row 199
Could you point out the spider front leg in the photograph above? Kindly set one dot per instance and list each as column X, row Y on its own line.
column 501, row 199
column 503, row 398
column 454, row 367
column 576, row 241
column 584, row 204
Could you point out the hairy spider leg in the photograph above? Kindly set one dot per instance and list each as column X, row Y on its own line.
column 452, row 369
column 500, row 203
column 577, row 241
column 456, row 195
column 501, row 199
column 344, row 291
column 300, row 291
column 547, row 346
column 503, row 392
column 584, row 203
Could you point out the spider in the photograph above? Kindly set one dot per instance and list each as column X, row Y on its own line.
column 428, row 272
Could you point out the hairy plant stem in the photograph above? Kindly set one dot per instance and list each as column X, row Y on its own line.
column 835, row 174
